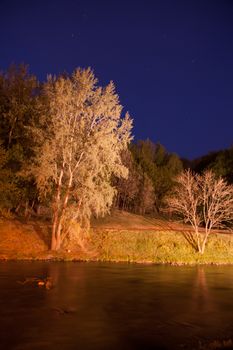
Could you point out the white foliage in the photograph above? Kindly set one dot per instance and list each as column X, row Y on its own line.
column 83, row 140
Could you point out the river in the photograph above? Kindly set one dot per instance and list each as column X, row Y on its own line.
column 113, row 306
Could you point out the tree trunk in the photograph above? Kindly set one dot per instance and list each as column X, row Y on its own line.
column 58, row 215
column 205, row 240
column 54, row 229
column 11, row 132
column 55, row 240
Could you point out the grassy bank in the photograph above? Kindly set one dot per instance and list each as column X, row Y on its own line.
column 160, row 247
column 139, row 241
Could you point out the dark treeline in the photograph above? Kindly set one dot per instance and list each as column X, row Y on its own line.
column 151, row 174
column 19, row 105
column 151, row 167
column 220, row 162
column 152, row 170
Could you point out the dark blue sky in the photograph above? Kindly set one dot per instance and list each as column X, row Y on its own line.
column 171, row 61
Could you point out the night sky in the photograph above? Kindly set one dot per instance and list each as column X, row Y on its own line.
column 171, row 61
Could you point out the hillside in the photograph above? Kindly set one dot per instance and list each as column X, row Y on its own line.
column 19, row 239
column 123, row 220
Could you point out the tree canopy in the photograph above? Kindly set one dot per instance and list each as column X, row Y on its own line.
column 82, row 136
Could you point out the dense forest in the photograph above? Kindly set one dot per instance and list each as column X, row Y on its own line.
column 66, row 150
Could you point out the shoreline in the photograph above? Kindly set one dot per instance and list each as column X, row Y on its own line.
column 79, row 260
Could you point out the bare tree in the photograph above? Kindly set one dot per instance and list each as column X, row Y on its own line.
column 203, row 201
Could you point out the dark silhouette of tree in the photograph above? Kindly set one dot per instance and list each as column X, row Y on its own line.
column 220, row 162
column 18, row 111
column 159, row 166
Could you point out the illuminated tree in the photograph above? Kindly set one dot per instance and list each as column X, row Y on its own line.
column 82, row 135
column 203, row 201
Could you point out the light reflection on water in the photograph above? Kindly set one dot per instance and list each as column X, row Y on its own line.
column 114, row 306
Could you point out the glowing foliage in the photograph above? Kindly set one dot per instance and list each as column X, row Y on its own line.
column 84, row 136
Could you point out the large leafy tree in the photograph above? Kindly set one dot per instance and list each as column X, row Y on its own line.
column 82, row 135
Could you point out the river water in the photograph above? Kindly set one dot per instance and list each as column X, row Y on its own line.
column 114, row 306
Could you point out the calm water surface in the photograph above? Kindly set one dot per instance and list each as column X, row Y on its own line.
column 114, row 306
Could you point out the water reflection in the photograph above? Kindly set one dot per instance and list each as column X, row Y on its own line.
column 98, row 306
column 201, row 298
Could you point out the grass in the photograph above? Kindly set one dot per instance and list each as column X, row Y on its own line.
column 217, row 344
column 160, row 247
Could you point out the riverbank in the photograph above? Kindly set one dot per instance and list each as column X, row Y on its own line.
column 142, row 240
column 161, row 247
